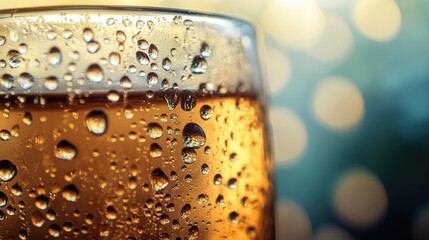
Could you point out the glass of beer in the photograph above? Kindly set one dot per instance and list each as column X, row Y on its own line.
column 132, row 123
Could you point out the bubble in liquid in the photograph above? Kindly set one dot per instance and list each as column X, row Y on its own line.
column 153, row 51
column 206, row 112
column 96, row 122
column 7, row 81
column 87, row 35
column 233, row 216
column 4, row 135
column 94, row 73
column 55, row 57
column 166, row 64
column 114, row 59
column 14, row 59
column 189, row 155
column 65, row 150
column 42, row 202
column 125, row 82
column 26, row 80
column 51, row 83
column 199, row 65
column 155, row 150
column 111, row 213
column 217, row 180
column 16, row 190
column 205, row 50
column 193, row 135
column 92, row 47
column 37, row 218
column 154, row 130
column 142, row 44
column 3, row 199
column 189, row 101
column 171, row 99
column 186, row 211
column 7, row 170
column 152, row 79
column 158, row 180
column 70, row 193
column 142, row 58
column 2, row 40
column 54, row 230
column 113, row 96
column 232, row 183
column 121, row 37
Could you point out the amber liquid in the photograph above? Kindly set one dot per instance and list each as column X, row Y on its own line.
column 225, row 194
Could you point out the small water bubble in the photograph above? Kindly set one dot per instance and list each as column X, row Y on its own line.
column 87, row 35
column 121, row 37
column 4, row 135
column 125, row 82
column 93, row 47
column 113, row 96
column 37, row 218
column 206, row 112
column 7, row 81
column 96, row 122
column 7, row 170
column 166, row 64
column 158, row 180
column 155, row 150
column 55, row 57
column 54, row 230
column 94, row 73
column 232, row 183
column 142, row 58
column 154, row 130
column 193, row 135
column 152, row 79
column 26, row 80
column 217, row 179
column 67, row 34
column 189, row 101
column 115, row 59
column 42, row 202
column 65, row 150
column 3, row 199
column 189, row 155
column 14, row 59
column 2, row 40
column 186, row 211
column 70, row 193
column 171, row 98
column 51, row 83
column 111, row 213
column 153, row 51
column 199, row 65
column 205, row 50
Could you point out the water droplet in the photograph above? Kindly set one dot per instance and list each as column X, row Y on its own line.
column 10, row 210
column 96, row 122
column 68, row 226
column 233, row 216
column 51, row 83
column 54, row 57
column 51, row 215
column 204, row 169
column 7, row 81
column 37, row 218
column 186, row 211
column 155, row 150
column 199, row 65
column 125, row 82
column 205, row 50
column 42, row 202
column 23, row 235
column 142, row 58
column 54, row 230
column 111, row 213
column 65, row 150
column 189, row 155
column 2, row 40
column 2, row 216
column 93, row 47
column 110, row 21
column 16, row 190
column 115, row 59
column 194, row 233
column 13, row 58
column 94, row 73
column 51, row 35
column 217, row 179
column 26, row 80
column 7, row 170
column 22, row 48
column 70, row 193
column 171, row 98
column 113, row 96
column 166, row 64
column 121, row 37
column 67, row 34
column 4, row 135
column 165, row 219
column 158, row 180
column 87, row 35
column 153, row 51
column 154, row 130
column 202, row 198
column 232, row 183
column 233, row 157
column 220, row 200
column 3, row 199
column 152, row 79
column 206, row 112
column 189, row 101
column 142, row 44
column 193, row 135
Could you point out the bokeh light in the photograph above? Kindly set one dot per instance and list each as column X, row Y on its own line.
column 379, row 20
column 279, row 69
column 338, row 103
column 290, row 135
column 331, row 232
column 359, row 198
column 296, row 24
column 421, row 224
column 293, row 222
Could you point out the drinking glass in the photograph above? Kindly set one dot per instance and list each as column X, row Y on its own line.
column 132, row 123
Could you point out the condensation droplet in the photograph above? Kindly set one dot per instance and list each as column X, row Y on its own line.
column 4, row 135
column 51, row 35
column 193, row 135
column 125, row 82
column 113, row 96
column 155, row 150
column 93, row 47
column 42, row 202
column 142, row 58
column 232, row 183
column 233, row 216
column 51, row 83
column 54, row 230
column 166, row 64
column 3, row 199
column 65, row 150
column 199, row 65
column 110, row 21
column 96, row 122
column 158, row 180
column 111, row 213
column 194, row 233
column 171, row 99
column 2, row 40
column 153, row 51
column 189, row 101
column 186, row 211
column 16, row 190
column 217, row 180
column 14, row 58
column 37, row 218
column 87, row 35
column 154, row 130
column 94, row 73
column 205, row 50
column 206, row 112
column 189, row 155
column 7, row 81
column 22, row 48
column 204, row 169
column 70, row 193
column 67, row 34
column 142, row 44
column 115, row 59
column 121, row 37
column 26, row 80
column 7, row 170
column 165, row 219
column 152, row 79
column 55, row 57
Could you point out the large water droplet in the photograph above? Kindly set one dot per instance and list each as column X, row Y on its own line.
column 166, row 64
column 186, row 211
column 155, row 150
column 51, row 83
column 3, row 199
column 26, row 80
column 189, row 101
column 142, row 44
column 153, row 51
column 193, row 135
column 171, row 98
column 142, row 58
column 70, row 193
column 54, row 230
column 206, row 112
column 7, row 170
column 96, row 122
column 7, row 81
column 152, row 79
column 37, row 218
column 13, row 58
column 87, row 35
column 93, row 47
column 94, row 73
column 54, row 57
column 65, row 150
column 189, row 155
column 115, row 59
column 199, row 65
column 42, row 202
column 158, row 180
column 154, row 130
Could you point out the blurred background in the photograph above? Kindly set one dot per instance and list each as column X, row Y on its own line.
column 349, row 90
